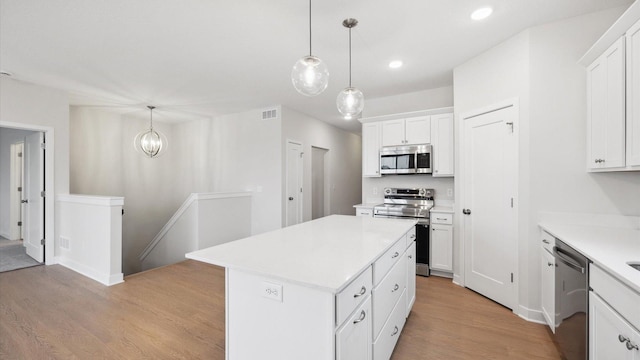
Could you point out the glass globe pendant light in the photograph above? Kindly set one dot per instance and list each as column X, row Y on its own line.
column 150, row 142
column 310, row 75
column 350, row 100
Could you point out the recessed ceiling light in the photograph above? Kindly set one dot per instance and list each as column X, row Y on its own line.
column 481, row 13
column 395, row 64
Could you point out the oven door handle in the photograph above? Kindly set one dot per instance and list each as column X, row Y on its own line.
column 567, row 259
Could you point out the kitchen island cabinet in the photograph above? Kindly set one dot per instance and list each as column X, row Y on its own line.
column 309, row 291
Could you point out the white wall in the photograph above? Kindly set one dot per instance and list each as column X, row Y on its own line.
column 416, row 101
column 539, row 67
column 33, row 107
column 343, row 161
column 7, row 137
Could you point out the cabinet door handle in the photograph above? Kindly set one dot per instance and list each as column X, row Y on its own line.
column 545, row 241
column 395, row 288
column 362, row 316
column 395, row 331
column 410, row 256
column 362, row 292
column 441, row 219
column 631, row 346
column 395, row 255
column 413, row 236
column 550, row 264
column 622, row 338
column 466, row 211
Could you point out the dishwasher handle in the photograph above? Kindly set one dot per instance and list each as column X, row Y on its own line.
column 568, row 260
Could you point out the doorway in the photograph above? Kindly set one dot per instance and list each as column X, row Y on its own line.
column 489, row 188
column 319, row 183
column 294, row 183
column 22, row 163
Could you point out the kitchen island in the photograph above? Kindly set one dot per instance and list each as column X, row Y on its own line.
column 338, row 287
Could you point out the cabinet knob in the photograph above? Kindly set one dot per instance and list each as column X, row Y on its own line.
column 395, row 288
column 631, row 346
column 395, row 331
column 395, row 255
column 550, row 264
column 466, row 211
column 545, row 241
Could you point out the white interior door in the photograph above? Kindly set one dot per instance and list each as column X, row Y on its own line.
column 15, row 192
column 33, row 221
column 489, row 222
column 294, row 183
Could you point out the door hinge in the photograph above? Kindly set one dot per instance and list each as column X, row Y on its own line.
column 19, row 188
column 301, row 153
column 43, row 145
column 41, row 241
column 511, row 202
column 512, row 277
column 122, row 211
column 511, row 125
column 43, row 193
column 19, row 223
column 19, row 154
column 300, row 189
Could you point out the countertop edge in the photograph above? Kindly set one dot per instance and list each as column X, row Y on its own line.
column 559, row 231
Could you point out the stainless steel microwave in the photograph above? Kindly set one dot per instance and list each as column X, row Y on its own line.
column 407, row 159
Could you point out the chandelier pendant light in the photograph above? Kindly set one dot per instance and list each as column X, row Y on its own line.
column 150, row 142
column 310, row 75
column 350, row 100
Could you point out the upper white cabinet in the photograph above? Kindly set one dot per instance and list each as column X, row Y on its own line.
column 442, row 142
column 606, row 109
column 414, row 130
column 633, row 95
column 613, row 96
column 371, row 149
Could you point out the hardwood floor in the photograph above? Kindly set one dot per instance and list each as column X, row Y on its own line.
column 50, row 312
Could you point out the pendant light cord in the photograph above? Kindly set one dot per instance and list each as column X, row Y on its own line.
column 349, row 57
column 310, row 53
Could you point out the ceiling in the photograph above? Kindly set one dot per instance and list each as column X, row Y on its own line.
column 204, row 58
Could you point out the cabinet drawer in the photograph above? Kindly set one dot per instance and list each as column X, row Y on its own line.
column 441, row 218
column 351, row 296
column 548, row 241
column 386, row 341
column 386, row 295
column 364, row 212
column 620, row 297
column 384, row 263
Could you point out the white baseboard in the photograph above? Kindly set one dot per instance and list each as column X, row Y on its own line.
column 457, row 279
column 105, row 279
column 531, row 315
column 439, row 273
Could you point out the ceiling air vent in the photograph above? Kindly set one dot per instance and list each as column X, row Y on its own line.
column 271, row 114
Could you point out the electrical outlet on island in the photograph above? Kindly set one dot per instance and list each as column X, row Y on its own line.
column 271, row 291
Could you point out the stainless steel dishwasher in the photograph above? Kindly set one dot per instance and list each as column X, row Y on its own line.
column 572, row 301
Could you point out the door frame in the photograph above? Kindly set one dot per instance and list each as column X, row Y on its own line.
column 300, row 179
column 459, row 278
column 49, row 185
column 16, row 215
column 327, row 189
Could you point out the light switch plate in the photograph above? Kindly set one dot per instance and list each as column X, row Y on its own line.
column 271, row 291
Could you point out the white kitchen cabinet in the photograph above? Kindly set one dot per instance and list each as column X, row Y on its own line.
column 411, row 276
column 441, row 242
column 606, row 109
column 409, row 131
column 371, row 133
column 353, row 339
column 610, row 336
column 547, row 291
column 633, row 95
column 442, row 144
column 442, row 248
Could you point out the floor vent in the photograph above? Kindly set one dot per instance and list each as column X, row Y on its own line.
column 271, row 114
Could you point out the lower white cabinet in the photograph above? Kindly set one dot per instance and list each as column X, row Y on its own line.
column 547, row 291
column 610, row 336
column 411, row 276
column 388, row 337
column 353, row 339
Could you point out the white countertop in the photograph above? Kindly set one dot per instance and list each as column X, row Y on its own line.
column 442, row 209
column 367, row 205
column 608, row 247
column 326, row 253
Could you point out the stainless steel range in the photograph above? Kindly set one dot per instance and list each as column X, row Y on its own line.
column 415, row 204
